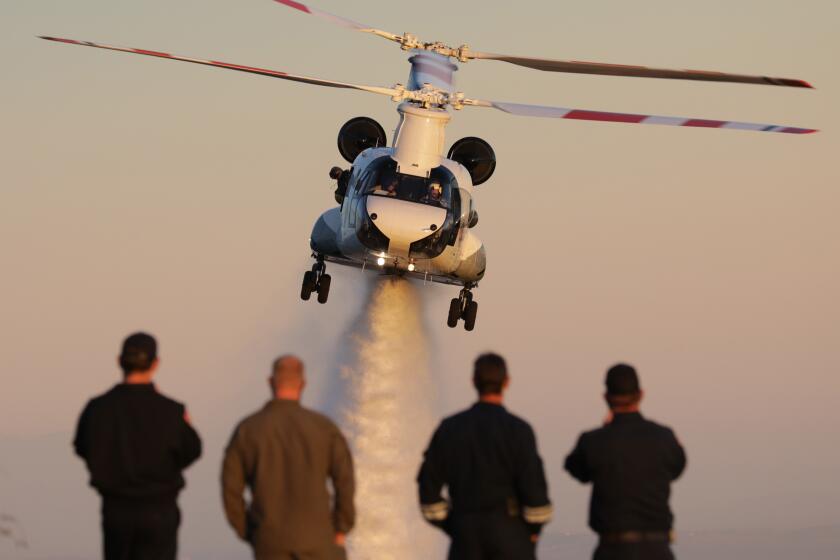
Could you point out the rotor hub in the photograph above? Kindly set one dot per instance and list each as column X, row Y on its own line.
column 409, row 41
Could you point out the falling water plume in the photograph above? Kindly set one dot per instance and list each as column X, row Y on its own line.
column 389, row 418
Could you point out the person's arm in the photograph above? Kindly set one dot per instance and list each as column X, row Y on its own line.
column 576, row 463
column 234, row 478
column 343, row 181
column 531, row 486
column 344, row 486
column 676, row 457
column 430, row 481
column 189, row 443
column 80, row 441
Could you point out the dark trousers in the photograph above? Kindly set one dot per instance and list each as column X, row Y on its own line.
column 633, row 551
column 140, row 531
column 489, row 536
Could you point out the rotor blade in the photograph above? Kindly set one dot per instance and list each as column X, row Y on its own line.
column 579, row 67
column 338, row 20
column 585, row 115
column 229, row 66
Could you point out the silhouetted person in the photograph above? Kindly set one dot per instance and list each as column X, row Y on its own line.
column 285, row 454
column 136, row 443
column 631, row 463
column 388, row 183
column 488, row 460
column 342, row 178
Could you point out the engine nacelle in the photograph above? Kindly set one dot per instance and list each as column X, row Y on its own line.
column 476, row 156
column 357, row 135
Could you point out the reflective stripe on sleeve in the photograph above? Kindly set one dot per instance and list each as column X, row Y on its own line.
column 539, row 515
column 435, row 512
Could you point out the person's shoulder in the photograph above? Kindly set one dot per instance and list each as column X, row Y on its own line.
column 103, row 399
column 656, row 427
column 457, row 418
column 594, row 433
column 257, row 417
column 164, row 398
column 253, row 424
column 517, row 422
column 169, row 402
column 319, row 419
column 453, row 421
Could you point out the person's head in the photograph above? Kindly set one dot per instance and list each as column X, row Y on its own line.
column 490, row 376
column 623, row 390
column 287, row 380
column 435, row 191
column 388, row 179
column 139, row 356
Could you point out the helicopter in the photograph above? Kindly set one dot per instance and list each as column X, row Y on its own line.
column 406, row 209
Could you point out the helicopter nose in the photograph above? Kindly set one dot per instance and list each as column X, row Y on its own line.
column 404, row 222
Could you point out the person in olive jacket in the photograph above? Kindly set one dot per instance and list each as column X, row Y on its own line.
column 136, row 443
column 284, row 454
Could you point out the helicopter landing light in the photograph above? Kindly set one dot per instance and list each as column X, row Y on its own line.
column 380, row 261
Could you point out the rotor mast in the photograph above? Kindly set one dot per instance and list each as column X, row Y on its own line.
column 420, row 137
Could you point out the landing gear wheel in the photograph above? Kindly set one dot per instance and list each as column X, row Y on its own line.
column 463, row 307
column 316, row 280
column 324, row 288
column 308, row 285
column 454, row 313
column 469, row 315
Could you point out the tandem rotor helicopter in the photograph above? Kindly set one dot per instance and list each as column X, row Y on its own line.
column 405, row 208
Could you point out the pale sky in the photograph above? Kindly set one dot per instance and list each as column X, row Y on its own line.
column 138, row 193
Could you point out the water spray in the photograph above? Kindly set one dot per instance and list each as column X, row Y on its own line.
column 389, row 417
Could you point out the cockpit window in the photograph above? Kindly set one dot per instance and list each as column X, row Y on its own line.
column 381, row 179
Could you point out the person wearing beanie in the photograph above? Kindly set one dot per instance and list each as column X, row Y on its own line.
column 631, row 463
column 136, row 444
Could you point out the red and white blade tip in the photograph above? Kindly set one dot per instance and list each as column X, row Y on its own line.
column 338, row 20
column 631, row 118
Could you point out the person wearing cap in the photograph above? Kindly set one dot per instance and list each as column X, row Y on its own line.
column 284, row 454
column 631, row 463
column 434, row 193
column 136, row 444
column 487, row 459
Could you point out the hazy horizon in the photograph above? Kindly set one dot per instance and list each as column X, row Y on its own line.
column 147, row 194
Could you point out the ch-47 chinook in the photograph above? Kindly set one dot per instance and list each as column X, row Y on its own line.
column 405, row 208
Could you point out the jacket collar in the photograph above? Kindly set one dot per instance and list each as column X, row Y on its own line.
column 483, row 405
column 135, row 387
column 626, row 417
column 282, row 403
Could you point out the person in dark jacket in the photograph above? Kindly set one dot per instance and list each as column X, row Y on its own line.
column 342, row 179
column 136, row 444
column 285, row 454
column 487, row 459
column 631, row 463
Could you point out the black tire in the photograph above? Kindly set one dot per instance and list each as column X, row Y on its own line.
column 307, row 286
column 324, row 288
column 454, row 313
column 470, row 314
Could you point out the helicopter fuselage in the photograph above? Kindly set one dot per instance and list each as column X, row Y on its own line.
column 398, row 223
